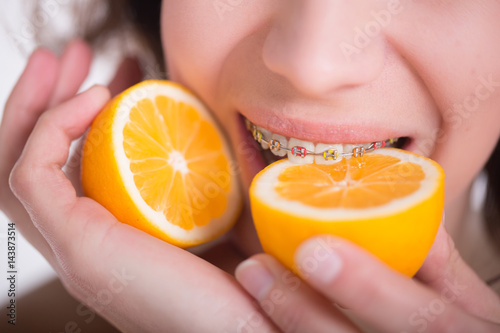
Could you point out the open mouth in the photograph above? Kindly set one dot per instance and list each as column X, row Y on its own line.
column 275, row 147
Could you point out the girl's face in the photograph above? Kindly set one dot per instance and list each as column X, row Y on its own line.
column 346, row 72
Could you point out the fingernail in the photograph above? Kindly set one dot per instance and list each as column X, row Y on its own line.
column 318, row 261
column 99, row 93
column 255, row 278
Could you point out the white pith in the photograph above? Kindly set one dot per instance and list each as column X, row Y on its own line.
column 178, row 162
column 265, row 192
column 197, row 234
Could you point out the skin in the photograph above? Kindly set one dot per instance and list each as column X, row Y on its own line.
column 280, row 64
column 262, row 68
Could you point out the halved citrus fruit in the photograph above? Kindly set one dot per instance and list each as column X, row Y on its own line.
column 389, row 201
column 156, row 159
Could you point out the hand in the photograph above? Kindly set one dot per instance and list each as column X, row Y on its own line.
column 347, row 285
column 134, row 280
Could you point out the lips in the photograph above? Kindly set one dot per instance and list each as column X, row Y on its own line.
column 275, row 146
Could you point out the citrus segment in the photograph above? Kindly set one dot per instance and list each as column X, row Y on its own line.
column 353, row 183
column 389, row 201
column 163, row 166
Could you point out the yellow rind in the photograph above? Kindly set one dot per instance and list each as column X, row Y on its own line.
column 395, row 239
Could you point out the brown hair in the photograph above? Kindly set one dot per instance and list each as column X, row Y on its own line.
column 100, row 21
column 144, row 19
column 492, row 204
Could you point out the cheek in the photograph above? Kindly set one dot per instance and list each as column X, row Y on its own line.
column 190, row 59
column 198, row 36
column 470, row 132
column 454, row 49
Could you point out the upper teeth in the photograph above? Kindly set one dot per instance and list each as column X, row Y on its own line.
column 300, row 151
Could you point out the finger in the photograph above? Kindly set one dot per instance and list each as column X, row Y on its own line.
column 28, row 100
column 445, row 271
column 127, row 74
column 289, row 302
column 391, row 302
column 37, row 179
column 75, row 66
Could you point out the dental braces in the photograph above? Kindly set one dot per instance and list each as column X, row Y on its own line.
column 329, row 154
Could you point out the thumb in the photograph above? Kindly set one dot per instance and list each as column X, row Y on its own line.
column 445, row 271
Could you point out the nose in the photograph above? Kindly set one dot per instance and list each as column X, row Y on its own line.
column 320, row 46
